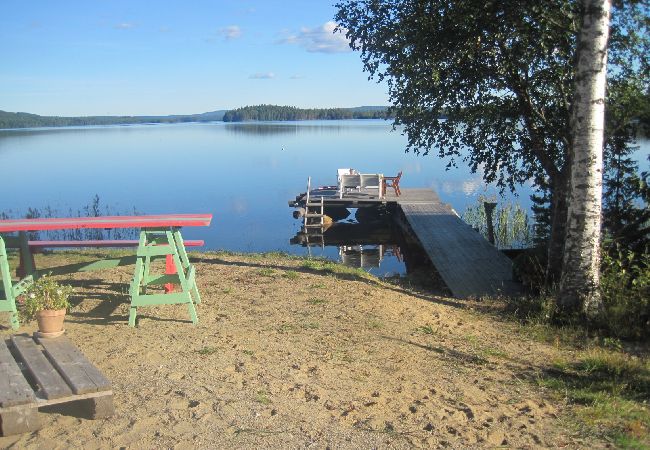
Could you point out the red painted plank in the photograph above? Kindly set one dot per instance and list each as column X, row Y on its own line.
column 116, row 243
column 168, row 220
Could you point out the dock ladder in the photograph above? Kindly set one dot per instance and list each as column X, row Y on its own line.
column 314, row 218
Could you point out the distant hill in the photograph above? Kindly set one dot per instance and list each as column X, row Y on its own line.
column 283, row 113
column 247, row 113
column 26, row 120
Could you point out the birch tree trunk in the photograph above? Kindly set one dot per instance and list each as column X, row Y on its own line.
column 579, row 283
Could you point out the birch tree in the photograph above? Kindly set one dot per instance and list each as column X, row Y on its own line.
column 489, row 83
column 579, row 284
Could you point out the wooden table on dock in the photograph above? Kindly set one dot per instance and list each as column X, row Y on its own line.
column 160, row 236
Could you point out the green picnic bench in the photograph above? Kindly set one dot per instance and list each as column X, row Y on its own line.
column 160, row 237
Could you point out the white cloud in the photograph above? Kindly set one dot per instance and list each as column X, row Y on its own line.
column 124, row 26
column 230, row 32
column 320, row 39
column 262, row 76
column 296, row 77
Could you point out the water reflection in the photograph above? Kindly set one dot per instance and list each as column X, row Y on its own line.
column 377, row 246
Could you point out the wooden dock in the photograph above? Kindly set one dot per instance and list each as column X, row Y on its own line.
column 469, row 265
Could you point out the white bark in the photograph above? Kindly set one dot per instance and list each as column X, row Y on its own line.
column 579, row 284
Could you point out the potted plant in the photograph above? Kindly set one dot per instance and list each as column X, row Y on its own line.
column 47, row 301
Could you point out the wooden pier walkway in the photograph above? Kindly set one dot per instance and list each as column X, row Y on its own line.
column 469, row 265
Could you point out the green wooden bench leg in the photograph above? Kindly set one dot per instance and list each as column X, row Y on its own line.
column 8, row 303
column 158, row 243
column 180, row 245
column 147, row 268
column 135, row 291
column 182, row 264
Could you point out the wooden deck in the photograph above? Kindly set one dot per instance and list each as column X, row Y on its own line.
column 469, row 265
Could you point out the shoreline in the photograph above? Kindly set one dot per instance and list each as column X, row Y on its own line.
column 290, row 352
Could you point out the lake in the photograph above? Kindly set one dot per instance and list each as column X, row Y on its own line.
column 242, row 173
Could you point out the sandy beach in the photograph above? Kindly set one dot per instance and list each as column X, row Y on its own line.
column 294, row 355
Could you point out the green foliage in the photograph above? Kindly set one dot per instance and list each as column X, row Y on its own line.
column 626, row 198
column 625, row 289
column 511, row 227
column 608, row 391
column 502, row 75
column 44, row 294
column 291, row 275
column 207, row 350
column 266, row 272
column 25, row 120
column 274, row 112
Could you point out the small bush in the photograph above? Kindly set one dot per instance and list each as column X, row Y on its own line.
column 625, row 289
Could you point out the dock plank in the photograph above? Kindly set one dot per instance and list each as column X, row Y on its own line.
column 469, row 265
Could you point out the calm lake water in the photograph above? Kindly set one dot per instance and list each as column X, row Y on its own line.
column 243, row 174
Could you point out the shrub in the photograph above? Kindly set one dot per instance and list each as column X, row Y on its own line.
column 625, row 289
column 45, row 294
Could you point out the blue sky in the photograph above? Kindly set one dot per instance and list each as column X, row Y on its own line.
column 111, row 57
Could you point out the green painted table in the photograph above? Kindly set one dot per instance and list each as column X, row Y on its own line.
column 160, row 236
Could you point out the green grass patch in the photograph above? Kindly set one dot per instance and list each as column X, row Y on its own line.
column 262, row 397
column 311, row 325
column 266, row 272
column 425, row 329
column 609, row 392
column 207, row 350
column 286, row 328
column 317, row 286
column 375, row 324
column 291, row 275
column 322, row 265
column 316, row 301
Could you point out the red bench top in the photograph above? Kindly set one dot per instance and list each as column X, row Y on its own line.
column 94, row 243
column 166, row 220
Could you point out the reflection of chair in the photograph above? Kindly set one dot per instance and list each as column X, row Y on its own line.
column 349, row 182
column 392, row 182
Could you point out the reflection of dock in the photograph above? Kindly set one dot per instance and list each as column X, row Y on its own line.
column 469, row 265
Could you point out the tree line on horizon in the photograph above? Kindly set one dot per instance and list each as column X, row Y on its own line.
column 285, row 113
column 247, row 113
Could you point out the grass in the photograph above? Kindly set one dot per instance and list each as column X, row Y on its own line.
column 316, row 301
column 425, row 329
column 262, row 397
column 286, row 328
column 290, row 275
column 266, row 272
column 608, row 392
column 207, row 350
column 322, row 265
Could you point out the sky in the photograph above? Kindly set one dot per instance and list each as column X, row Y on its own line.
column 137, row 57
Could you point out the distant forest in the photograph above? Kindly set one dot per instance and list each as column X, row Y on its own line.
column 274, row 112
column 25, row 120
column 248, row 113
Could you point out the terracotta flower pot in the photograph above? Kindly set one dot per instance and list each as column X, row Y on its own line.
column 50, row 321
